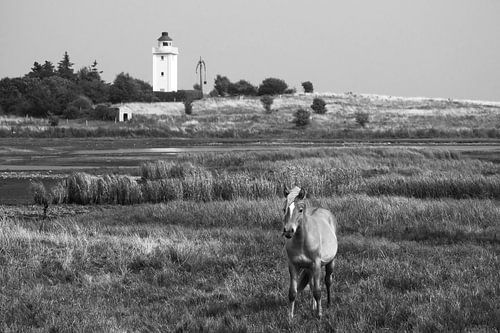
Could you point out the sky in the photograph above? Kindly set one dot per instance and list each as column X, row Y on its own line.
column 432, row 48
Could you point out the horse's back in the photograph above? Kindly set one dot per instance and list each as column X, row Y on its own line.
column 327, row 225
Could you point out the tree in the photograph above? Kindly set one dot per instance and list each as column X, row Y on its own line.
column 318, row 105
column 197, row 86
column 39, row 97
column 127, row 89
column 90, row 84
column 302, row 117
column 94, row 70
column 48, row 69
column 272, row 86
column 36, row 70
column 62, row 92
column 308, row 87
column 64, row 68
column 242, row 87
column 222, row 84
column 11, row 95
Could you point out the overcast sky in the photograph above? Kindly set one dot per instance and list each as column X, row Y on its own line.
column 435, row 48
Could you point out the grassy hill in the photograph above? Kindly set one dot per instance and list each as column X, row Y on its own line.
column 389, row 118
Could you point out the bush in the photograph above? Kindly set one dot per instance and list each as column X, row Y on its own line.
column 242, row 87
column 72, row 112
column 53, row 120
column 362, row 118
column 221, row 85
column 267, row 101
column 302, row 117
column 213, row 93
column 319, row 106
column 79, row 107
column 104, row 112
column 272, row 86
column 188, row 106
column 308, row 87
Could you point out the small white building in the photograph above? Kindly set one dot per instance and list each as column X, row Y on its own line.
column 165, row 64
column 129, row 110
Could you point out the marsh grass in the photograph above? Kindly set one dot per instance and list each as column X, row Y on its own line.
column 323, row 172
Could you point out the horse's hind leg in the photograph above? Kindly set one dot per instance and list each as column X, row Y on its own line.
column 329, row 279
column 316, row 286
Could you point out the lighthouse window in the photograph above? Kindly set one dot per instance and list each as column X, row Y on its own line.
column 161, row 73
column 165, row 43
column 162, row 57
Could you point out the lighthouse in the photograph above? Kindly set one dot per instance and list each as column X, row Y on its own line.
column 165, row 64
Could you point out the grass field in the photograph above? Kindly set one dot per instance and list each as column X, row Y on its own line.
column 389, row 118
column 419, row 245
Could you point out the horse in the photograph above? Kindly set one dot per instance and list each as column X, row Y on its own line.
column 311, row 242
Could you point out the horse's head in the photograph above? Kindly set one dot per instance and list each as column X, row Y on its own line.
column 294, row 209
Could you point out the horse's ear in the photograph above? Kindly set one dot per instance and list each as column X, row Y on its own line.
column 286, row 192
column 302, row 194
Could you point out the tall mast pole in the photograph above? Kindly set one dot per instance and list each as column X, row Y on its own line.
column 203, row 67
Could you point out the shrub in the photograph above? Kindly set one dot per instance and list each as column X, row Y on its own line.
column 362, row 118
column 78, row 108
column 104, row 112
column 188, row 106
column 308, row 87
column 53, row 120
column 221, row 85
column 267, row 102
column 319, row 106
column 302, row 117
column 72, row 112
column 213, row 93
column 82, row 102
column 272, row 86
column 242, row 87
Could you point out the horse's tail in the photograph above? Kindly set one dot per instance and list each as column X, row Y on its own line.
column 304, row 278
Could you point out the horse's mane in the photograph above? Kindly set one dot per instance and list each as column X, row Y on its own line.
column 294, row 192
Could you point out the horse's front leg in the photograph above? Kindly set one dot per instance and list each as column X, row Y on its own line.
column 292, row 291
column 316, row 287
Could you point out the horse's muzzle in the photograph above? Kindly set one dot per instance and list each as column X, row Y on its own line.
column 288, row 233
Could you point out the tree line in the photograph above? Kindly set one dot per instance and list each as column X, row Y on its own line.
column 59, row 90
column 270, row 86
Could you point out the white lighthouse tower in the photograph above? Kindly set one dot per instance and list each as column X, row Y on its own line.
column 165, row 64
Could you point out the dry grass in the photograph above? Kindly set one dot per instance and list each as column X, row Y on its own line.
column 404, row 263
column 245, row 117
column 189, row 266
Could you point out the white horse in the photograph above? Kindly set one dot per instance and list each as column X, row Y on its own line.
column 311, row 243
